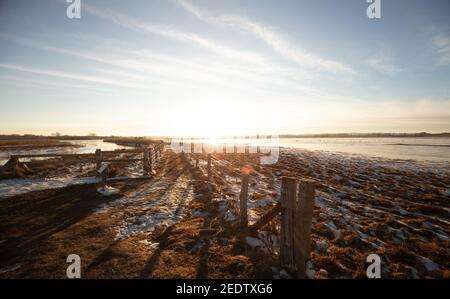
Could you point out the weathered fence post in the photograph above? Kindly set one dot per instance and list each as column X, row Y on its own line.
column 98, row 158
column 15, row 165
column 243, row 201
column 146, row 161
column 159, row 151
column 103, row 172
column 302, row 225
column 104, row 178
column 288, row 198
column 161, row 143
column 247, row 146
column 155, row 149
column 208, row 168
column 150, row 160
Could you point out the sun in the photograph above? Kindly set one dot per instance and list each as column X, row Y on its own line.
column 212, row 121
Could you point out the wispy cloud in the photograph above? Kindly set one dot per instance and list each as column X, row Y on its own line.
column 383, row 65
column 151, row 67
column 441, row 45
column 182, row 36
column 65, row 75
column 278, row 42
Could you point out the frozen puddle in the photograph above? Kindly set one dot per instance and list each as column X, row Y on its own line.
column 154, row 205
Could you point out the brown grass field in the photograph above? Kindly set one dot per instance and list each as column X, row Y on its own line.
column 17, row 144
column 400, row 212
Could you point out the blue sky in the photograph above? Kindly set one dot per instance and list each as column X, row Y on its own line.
column 198, row 67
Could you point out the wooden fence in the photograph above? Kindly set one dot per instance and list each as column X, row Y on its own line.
column 150, row 155
column 295, row 210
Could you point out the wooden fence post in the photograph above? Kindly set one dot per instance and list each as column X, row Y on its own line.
column 104, row 179
column 302, row 225
column 15, row 165
column 288, row 198
column 98, row 158
column 162, row 147
column 103, row 172
column 208, row 168
column 158, row 150
column 146, row 161
column 243, row 201
column 155, row 149
column 150, row 160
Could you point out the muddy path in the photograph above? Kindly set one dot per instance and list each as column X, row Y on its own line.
column 164, row 227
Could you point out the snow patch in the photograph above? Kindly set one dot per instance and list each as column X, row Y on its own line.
column 107, row 191
column 428, row 264
column 15, row 187
column 11, row 268
column 254, row 242
column 310, row 272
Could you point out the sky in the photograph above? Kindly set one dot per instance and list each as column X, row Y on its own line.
column 209, row 67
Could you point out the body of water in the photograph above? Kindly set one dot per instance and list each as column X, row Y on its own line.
column 85, row 147
column 421, row 149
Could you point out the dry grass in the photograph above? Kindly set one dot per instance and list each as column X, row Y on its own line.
column 33, row 143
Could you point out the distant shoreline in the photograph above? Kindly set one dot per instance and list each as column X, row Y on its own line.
column 320, row 135
column 364, row 135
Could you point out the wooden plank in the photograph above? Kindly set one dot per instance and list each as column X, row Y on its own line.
column 266, row 218
column 126, row 151
column 243, row 201
column 103, row 167
column 6, row 166
column 50, row 155
column 288, row 199
column 76, row 155
column 123, row 160
column 303, row 221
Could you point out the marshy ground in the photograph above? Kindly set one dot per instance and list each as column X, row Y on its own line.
column 169, row 227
